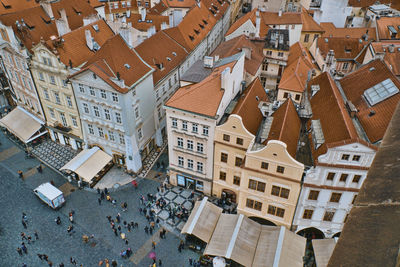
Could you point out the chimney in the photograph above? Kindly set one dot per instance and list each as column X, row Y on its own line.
column 198, row 3
column 47, row 8
column 62, row 23
column 89, row 40
column 225, row 78
column 208, row 62
column 247, row 52
column 258, row 22
column 126, row 34
column 142, row 11
column 280, row 13
column 151, row 31
column 171, row 20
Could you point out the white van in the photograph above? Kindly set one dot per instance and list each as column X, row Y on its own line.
column 50, row 194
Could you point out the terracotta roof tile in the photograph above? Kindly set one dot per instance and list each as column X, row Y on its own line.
column 158, row 8
column 74, row 47
column 286, row 126
column 157, row 49
column 355, row 84
column 329, row 108
column 344, row 48
column 382, row 25
column 216, row 7
column 236, row 45
column 309, row 24
column 111, row 60
column 76, row 11
column 392, row 59
column 11, row 6
column 331, row 31
column 252, row 17
column 366, row 3
column 151, row 20
column 96, row 3
column 179, row 3
column 273, row 18
column 203, row 97
column 247, row 106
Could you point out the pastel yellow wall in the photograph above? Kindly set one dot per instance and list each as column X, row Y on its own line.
column 311, row 38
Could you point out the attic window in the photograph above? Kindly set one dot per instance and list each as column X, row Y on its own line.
column 46, row 21
column 77, row 11
column 174, row 54
column 191, row 37
column 392, row 29
column 216, row 8
column 139, row 20
column 220, row 2
column 126, row 65
column 212, row 11
column 196, row 31
column 201, row 26
column 96, row 27
column 380, row 92
column 317, row 134
column 347, row 50
column 205, row 22
column 168, row 58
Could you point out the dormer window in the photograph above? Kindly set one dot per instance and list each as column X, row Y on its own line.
column 191, row 37
column 392, row 31
column 196, row 31
column 205, row 22
column 201, row 26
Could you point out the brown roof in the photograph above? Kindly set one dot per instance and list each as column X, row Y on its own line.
column 366, row 3
column 374, row 218
column 158, row 8
column 217, row 8
column 194, row 27
column 112, row 59
column 355, row 84
column 382, row 27
column 76, row 11
column 74, row 47
column 252, row 17
column 309, row 24
column 286, row 126
column 235, row 45
column 273, row 18
column 11, row 6
column 151, row 20
column 331, row 31
column 294, row 77
column 203, row 97
column 392, row 59
column 157, row 49
column 96, row 3
column 329, row 108
column 344, row 48
column 247, row 106
column 179, row 3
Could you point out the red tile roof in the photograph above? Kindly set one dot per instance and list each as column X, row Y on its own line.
column 366, row 3
column 203, row 97
column 76, row 11
column 329, row 108
column 151, row 20
column 158, row 8
column 273, row 18
column 355, row 84
column 235, row 45
column 344, row 48
column 382, row 25
column 286, row 126
column 111, row 60
column 11, row 6
column 331, row 31
column 392, row 59
column 252, row 17
column 309, row 24
column 247, row 106
column 179, row 3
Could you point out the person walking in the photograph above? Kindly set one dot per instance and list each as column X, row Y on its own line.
column 99, row 200
column 40, row 256
column 39, row 168
column 36, row 235
column 159, row 262
column 24, row 249
column 58, row 220
column 146, row 229
column 118, row 218
column 114, row 263
column 61, row 265
column 20, row 174
column 24, row 224
column 19, row 250
column 153, row 244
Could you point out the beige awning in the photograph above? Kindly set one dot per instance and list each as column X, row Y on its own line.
column 88, row 163
column 266, row 247
column 202, row 220
column 323, row 249
column 22, row 124
column 292, row 250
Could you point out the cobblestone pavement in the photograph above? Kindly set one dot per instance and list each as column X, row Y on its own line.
column 90, row 218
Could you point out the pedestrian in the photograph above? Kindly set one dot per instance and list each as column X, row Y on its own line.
column 146, row 229
column 71, row 218
column 190, row 261
column 69, row 230
column 136, row 225
column 102, row 195
column 151, row 231
column 114, row 263
column 50, row 263
column 20, row 174
column 106, row 191
column 159, row 262
column 45, row 257
column 161, row 235
column 109, row 219
column 129, row 227
column 61, row 265
column 115, row 232
column 126, row 241
column 23, row 247
column 24, row 224
column 98, row 191
column 29, row 239
column 72, row 260
column 114, row 202
column 24, row 217
column 39, row 168
column 36, row 235
column 24, row 265
column 40, row 256
column 119, row 228
column 58, row 220
column 19, row 250
column 99, row 200
column 23, row 236
column 153, row 244
column 118, row 218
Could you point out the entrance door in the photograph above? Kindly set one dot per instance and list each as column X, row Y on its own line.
column 66, row 140
column 56, row 137
column 190, row 184
column 79, row 144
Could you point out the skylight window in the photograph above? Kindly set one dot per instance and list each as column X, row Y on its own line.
column 96, row 27
column 168, row 58
column 380, row 92
column 127, row 66
column 392, row 29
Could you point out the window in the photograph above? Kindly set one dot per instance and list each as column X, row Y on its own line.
column 236, row 180
column 41, row 76
column 92, row 91
column 52, row 79
column 118, row 118
column 224, row 157
column 74, row 122
column 205, row 130
column 345, row 65
column 328, row 216
column 121, row 139
column 157, row 94
column 269, row 53
column 52, row 114
column 46, row 94
column 111, row 136
column 103, row 94
column 69, row 101
column 200, row 147
column 90, row 128
column 306, row 38
column 265, row 66
column 96, row 111
column 285, row 95
column 222, row 176
column 194, row 127
column 175, row 78
column 280, row 54
column 189, row 144
column 343, row 177
column 200, row 166
column 139, row 133
column 137, row 113
column 330, row 176
column 356, row 178
column 276, row 211
column 255, row 185
column 226, row 137
column 174, row 123
column 107, row 114
column 85, row 108
column 100, row 131
column 253, row 204
column 308, row 214
column 180, row 161
column 315, row 36
column 280, row 169
column 356, row 158
column 81, row 88
column 345, row 157
column 335, row 197
column 297, row 97
column 280, row 191
column 64, row 83
column 180, row 142
column 264, row 165
column 190, row 163
column 184, row 125
column 238, row 162
column 313, row 195
column 114, row 97
column 57, row 96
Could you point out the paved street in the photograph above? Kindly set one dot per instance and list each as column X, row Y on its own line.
column 16, row 197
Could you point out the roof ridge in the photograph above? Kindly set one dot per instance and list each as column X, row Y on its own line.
column 284, row 118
